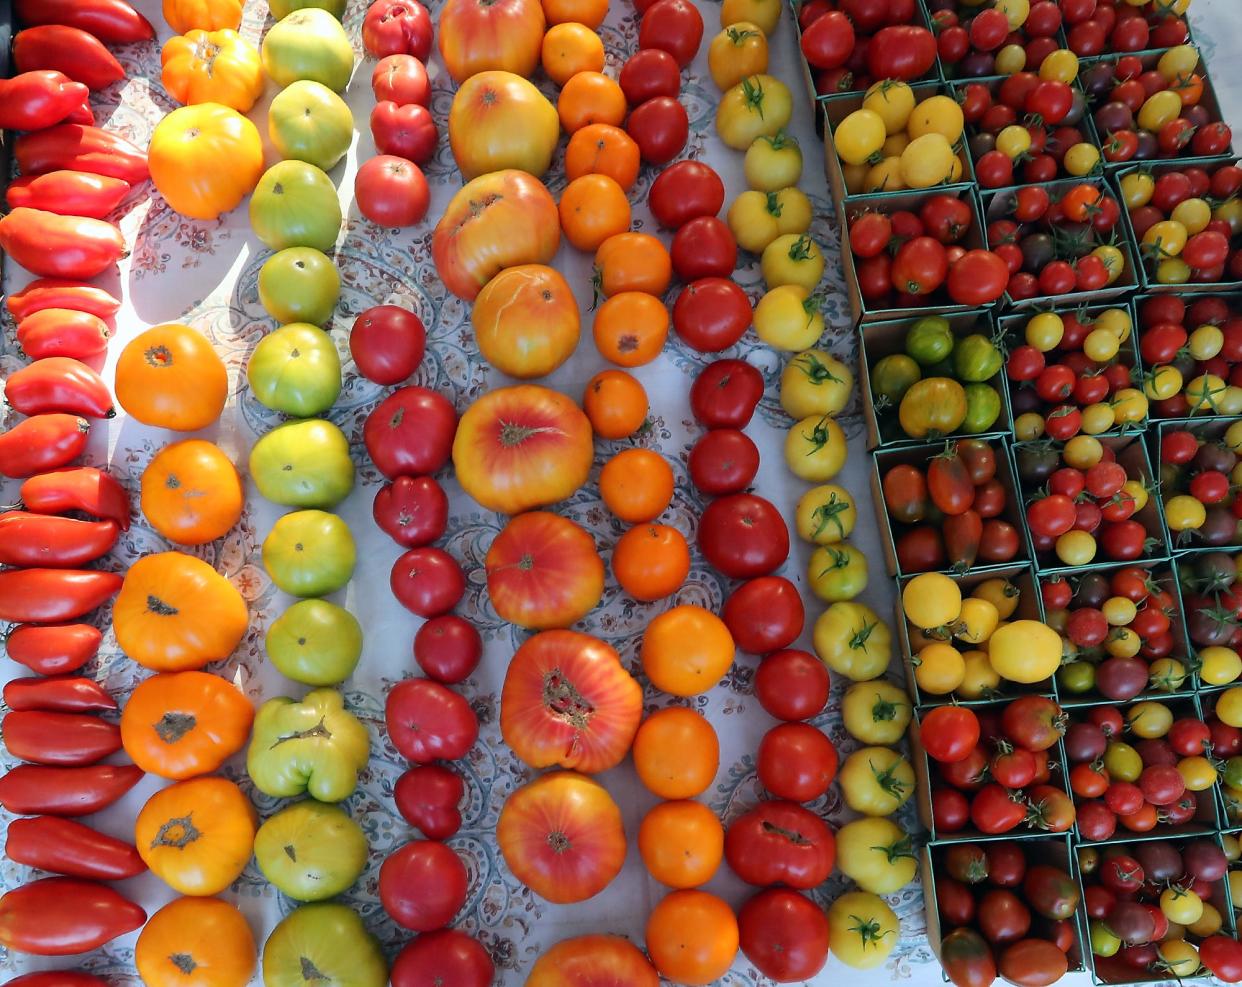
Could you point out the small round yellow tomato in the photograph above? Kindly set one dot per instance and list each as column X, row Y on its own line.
column 1179, row 958
column 1082, row 159
column 1166, row 237
column 977, row 620
column 937, row 115
column 1098, row 418
column 892, row 100
column 927, row 161
column 789, row 318
column 1229, row 707
column 894, row 144
column 1210, row 922
column 1233, row 437
column 1205, row 342
column 1158, row 109
column 1122, row 761
column 1149, row 720
column 1001, row 593
column 1219, row 665
column 1118, row 611
column 1172, row 270
column 1178, row 62
column 1100, row 345
column 1059, row 66
column 1129, row 405
column 1231, row 402
column 1015, row 11
column 1013, row 141
column 752, row 220
column 1194, row 214
column 1045, row 331
column 1075, row 548
column 1123, row 643
column 885, row 176
column 1197, row 772
column 1029, row 426
column 1136, row 189
column 1184, row 513
column 858, row 136
column 1166, row 674
column 738, row 51
column 792, row 259
column 1117, row 321
column 931, row 599
column 1135, row 490
column 815, row 449
column 939, row 669
column 1204, row 392
column 773, row 163
column 1163, row 382
column 1113, row 259
column 1082, row 452
column 979, row 678
column 825, row 515
column 1010, row 60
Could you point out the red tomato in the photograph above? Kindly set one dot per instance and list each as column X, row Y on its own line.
column 675, row 26
column 723, row 461
column 901, row 52
column 946, row 217
column 404, row 131
column 391, row 191
column 919, row 266
column 764, row 615
column 444, row 957
column 429, row 796
column 993, row 811
column 725, row 393
column 387, row 343
column 685, row 191
column 423, row 885
column 780, row 843
column 979, row 278
column 411, row 432
column 704, row 248
column 743, row 536
column 393, row 27
column 659, row 126
column 427, row 721
column 796, row 762
column 427, row 581
column 870, row 234
column 711, row 314
column 949, row 733
column 784, row 934
column 448, row 648
column 412, row 510
column 792, row 685
column 402, row 79
column 829, row 41
column 648, row 73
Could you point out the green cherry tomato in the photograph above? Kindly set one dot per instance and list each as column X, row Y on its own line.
column 892, row 376
column 983, row 407
column 929, row 340
column 976, row 359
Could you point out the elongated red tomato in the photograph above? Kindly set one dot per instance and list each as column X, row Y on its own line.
column 63, row 916
column 77, row 53
column 62, row 332
column 53, row 649
column 43, row 98
column 49, row 595
column 59, row 293
column 63, row 846
column 112, row 21
column 60, row 246
column 54, row 542
column 44, row 442
column 58, row 383
column 60, row 693
column 32, row 789
column 69, row 193
column 74, row 147
column 78, row 488
column 70, row 740
column 948, row 483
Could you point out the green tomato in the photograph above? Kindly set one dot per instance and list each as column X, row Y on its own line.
column 892, row 376
column 309, row 553
column 877, row 854
column 296, row 370
column 324, row 945
column 929, row 340
column 1103, row 942
column 1077, row 677
column 837, row 572
column 976, row 359
column 308, row 44
column 315, row 642
column 283, row 8
column 314, row 746
column 311, row 851
column 1122, row 761
column 983, row 407
column 303, row 464
column 311, row 123
column 1232, row 775
column 299, row 284
column 295, row 205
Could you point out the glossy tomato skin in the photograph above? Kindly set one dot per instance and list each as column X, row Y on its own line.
column 792, row 685
column 723, row 461
column 411, row 510
column 711, row 314
column 796, row 762
column 428, row 797
column 427, row 581
column 659, row 126
column 387, row 343
column 780, row 843
column 704, row 248
column 648, row 73
column 391, row 191
column 448, row 648
column 401, row 79
column 411, row 432
column 726, row 393
column 443, row 957
column 675, row 26
column 901, row 52
column 427, row 721
column 743, row 536
column 685, row 191
column 784, row 934
column 764, row 614
column 423, row 885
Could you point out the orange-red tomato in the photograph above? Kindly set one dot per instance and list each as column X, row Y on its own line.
column 651, row 561
column 543, row 571
column 636, row 485
column 630, row 328
column 593, row 961
column 632, row 262
column 590, row 97
column 602, row 149
column 592, row 209
column 616, row 404
column 478, row 35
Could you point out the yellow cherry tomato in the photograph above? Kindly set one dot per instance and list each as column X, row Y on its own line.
column 1100, row 345
column 1194, row 214
column 1231, row 402
column 1167, row 238
column 1113, row 259
column 1082, row 452
column 892, row 100
column 894, row 144
column 1205, row 342
column 1081, row 159
column 1059, row 66
column 855, row 176
column 1172, row 270
column 1233, row 437
column 1149, row 720
column 1229, row 707
column 1197, row 772
column 1209, row 924
column 1045, row 331
column 1098, row 418
column 1129, row 405
column 1184, row 513
column 1219, row 665
column 885, row 176
column 1158, row 109
column 789, row 318
column 927, row 161
column 939, row 669
column 977, row 621
column 1123, row 643
column 1075, row 548
column 1117, row 321
column 1166, row 674
column 1013, row 141
column 1028, row 426
column 1135, row 490
column 1010, row 60
column 1015, row 11
column 979, row 679
column 1118, row 611
column 1163, row 382
column 1137, row 188
column 937, row 115
column 1204, row 393
column 1178, row 62
column 1001, row 593
column 931, row 599
column 858, row 136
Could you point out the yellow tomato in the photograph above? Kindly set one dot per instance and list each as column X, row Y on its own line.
column 1204, row 392
column 815, row 449
column 1172, row 270
column 1166, row 674
column 977, row 621
column 1013, row 141
column 894, row 144
column 1179, row 958
column 1010, row 60
column 1158, row 109
column 1233, row 437
column 1149, row 720
column 1178, row 63
column 1219, row 665
column 738, row 51
column 773, row 163
column 1082, row 159
column 1136, row 491
column 927, row 161
column 815, row 383
column 1100, row 345
column 1123, row 643
column 825, row 515
column 1194, row 214
column 752, row 220
column 1129, row 405
column 1167, row 237
column 1001, row 593
column 1184, row 513
column 937, row 115
column 793, row 211
column 792, row 259
column 1210, row 922
column 1113, row 259
column 939, row 669
column 1197, row 773
column 1098, row 418
column 1015, row 11
column 1136, row 189
column 765, row 13
column 1082, row 452
column 1205, row 342
column 852, row 640
column 1025, row 651
column 1117, row 321
column 1163, row 382
column 980, row 678
column 758, row 106
column 876, row 781
column 931, row 599
column 837, row 572
column 1229, row 707
column 892, row 100
column 1044, row 331
column 885, row 176
column 855, row 176
column 1075, row 548
column 1029, row 426
column 789, row 318
column 1118, row 611
column 876, row 712
column 858, row 136
column 1231, row 402
column 1059, row 66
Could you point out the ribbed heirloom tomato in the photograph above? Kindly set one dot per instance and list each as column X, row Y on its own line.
column 593, row 961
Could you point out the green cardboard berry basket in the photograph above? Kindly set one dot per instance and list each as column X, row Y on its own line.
column 1211, row 429
column 1234, row 301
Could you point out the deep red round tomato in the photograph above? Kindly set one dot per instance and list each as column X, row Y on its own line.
column 764, row 615
column 410, row 432
column 796, row 762
column 1206, row 249
column 1056, row 593
column 1030, row 204
column 1171, row 188
column 411, row 510
column 1087, row 38
column 920, row 266
column 446, row 956
column 946, row 217
column 1129, row 34
column 648, row 73
column 743, row 536
column 999, row 542
column 779, row 842
column 870, row 234
column 659, row 126
column 711, row 314
column 901, row 52
column 427, row 581
column 994, row 170
column 391, row 191
column 685, row 191
column 1090, row 273
column 949, row 733
column 387, row 343
column 448, row 648
column 726, row 392
column 423, row 885
column 950, row 813
column 993, row 811
column 829, row 42
column 952, row 44
column 1123, row 540
column 1050, row 100
column 404, row 131
column 988, row 30
column 675, row 26
column 875, row 277
column 1057, row 278
column 784, row 934
column 723, row 461
column 792, row 684
column 1024, row 363
column 1051, row 516
column 1013, row 767
column 1003, row 918
column 704, row 248
column 976, row 100
column 978, row 278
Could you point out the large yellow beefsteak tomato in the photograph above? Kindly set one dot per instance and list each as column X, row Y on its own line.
column 478, row 35
column 205, row 159
column 500, row 120
column 496, row 221
column 213, row 67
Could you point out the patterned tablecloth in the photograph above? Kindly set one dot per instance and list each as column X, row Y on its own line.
column 205, row 274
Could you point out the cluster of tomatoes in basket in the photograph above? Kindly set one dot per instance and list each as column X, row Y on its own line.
column 1190, row 352
column 1093, row 27
column 1198, row 476
column 998, row 40
column 848, row 44
column 1213, row 616
column 1009, row 907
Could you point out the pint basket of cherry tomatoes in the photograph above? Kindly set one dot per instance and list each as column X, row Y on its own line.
column 847, row 45
column 1212, row 603
column 1062, row 242
column 933, row 376
column 1142, row 767
column 1157, row 909
column 950, row 664
column 1193, row 354
column 1092, row 28
column 948, row 507
column 1026, row 129
column 1222, row 711
column 1123, row 634
column 1154, row 104
column 918, row 253
column 974, row 41
column 1090, row 500
column 999, row 907
column 1071, row 371
column 1200, row 470
column 1186, row 218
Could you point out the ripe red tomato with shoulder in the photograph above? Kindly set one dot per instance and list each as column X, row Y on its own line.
column 411, row 510
column 659, row 126
column 704, row 247
column 723, row 461
column 828, row 42
column 711, row 314
column 445, row 956
column 448, row 648
column 946, row 217
column 784, row 934
column 992, row 810
column 949, row 733
column 648, row 73
column 685, row 191
column 411, row 432
column 978, row 278
column 675, row 26
column 743, row 535
column 902, row 51
column 796, row 762
column 870, row 234
column 391, row 191
column 764, row 615
column 387, row 343
column 919, row 266
column 423, row 885
column 427, row 581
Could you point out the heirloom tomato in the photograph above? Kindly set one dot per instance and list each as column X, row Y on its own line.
column 592, row 961
column 478, row 35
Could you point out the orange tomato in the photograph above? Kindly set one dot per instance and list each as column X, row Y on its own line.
column 196, row 942
column 526, row 321
column 686, row 650
column 588, row 12
column 543, row 571
column 636, row 485
column 205, row 15
column 593, row 961
column 592, row 209
column 499, row 120
column 632, row 262
column 681, row 843
column 205, row 159
column 616, row 404
column 191, row 492
column 602, row 149
column 651, row 561
column 692, row 937
column 480, row 35
column 571, row 48
column 181, row 724
column 171, row 377
column 590, row 97
column 676, row 753
column 630, row 328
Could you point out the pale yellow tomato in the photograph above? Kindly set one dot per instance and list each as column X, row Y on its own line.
column 752, row 220
column 1129, row 405
column 815, row 383
column 1010, row 60
column 1082, row 159
column 1136, row 189
column 1098, row 418
column 1013, row 141
column 1082, row 452
column 758, row 106
column 927, row 161
column 1100, row 345
column 894, row 144
column 825, row 515
column 1028, row 426
column 773, row 163
column 789, row 318
column 885, row 176
column 1075, row 548
column 892, row 100
column 815, row 449
column 1163, row 382
column 977, row 621
column 1158, row 109
column 937, row 115
column 1167, row 237
column 792, row 210
column 1117, row 321
column 1205, row 342
column 1178, row 62
column 854, row 175
column 1172, row 270
column 1194, row 214
column 1045, row 331
column 1205, row 392
column 792, row 259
